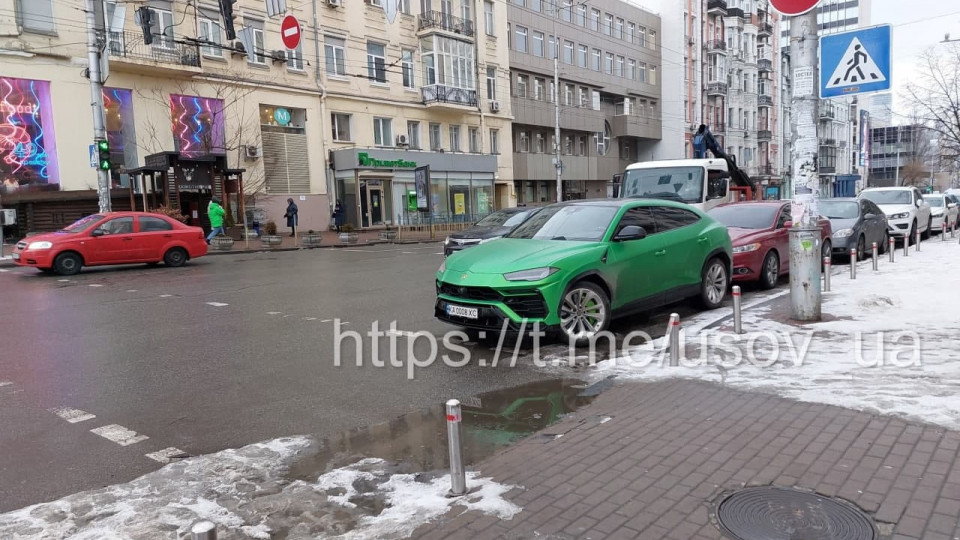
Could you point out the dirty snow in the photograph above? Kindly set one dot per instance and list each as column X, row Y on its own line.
column 862, row 356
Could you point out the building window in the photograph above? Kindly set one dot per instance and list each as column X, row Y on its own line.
column 382, row 132
column 491, row 83
column 608, row 24
column 408, row 69
column 584, row 96
column 618, row 29
column 36, row 15
column 536, row 5
column 568, row 145
column 653, row 75
column 376, row 62
column 435, row 142
column 541, row 145
column 210, row 36
column 524, row 142
column 582, row 143
column 596, row 60
column 488, row 17
column 522, row 85
column 447, row 62
column 552, row 50
column 335, row 51
column 473, row 134
column 631, row 31
column 161, row 26
column 568, row 92
column 413, row 134
column 539, row 88
column 595, row 20
column 608, row 65
column 642, row 37
column 652, row 42
column 521, row 39
column 341, row 127
column 643, row 72
column 582, row 53
column 632, row 69
column 603, row 139
column 568, row 52
column 295, row 58
column 538, row 44
column 566, row 12
column 455, row 138
column 259, row 51
column 494, row 141
column 582, row 15
column 620, row 62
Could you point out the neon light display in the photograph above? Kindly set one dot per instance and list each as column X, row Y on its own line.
column 28, row 154
column 197, row 125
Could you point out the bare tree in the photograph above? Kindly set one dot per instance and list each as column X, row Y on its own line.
column 935, row 95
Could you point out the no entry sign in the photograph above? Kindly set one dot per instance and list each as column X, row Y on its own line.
column 794, row 7
column 290, row 32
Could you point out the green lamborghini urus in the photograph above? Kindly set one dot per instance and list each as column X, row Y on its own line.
column 575, row 266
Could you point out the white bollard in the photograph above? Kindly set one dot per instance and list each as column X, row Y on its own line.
column 876, row 257
column 906, row 245
column 893, row 249
column 737, row 316
column 458, row 475
column 674, row 339
column 827, row 270
column 943, row 232
column 918, row 239
column 853, row 263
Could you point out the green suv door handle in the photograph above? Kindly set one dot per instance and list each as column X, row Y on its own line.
column 703, row 240
column 660, row 253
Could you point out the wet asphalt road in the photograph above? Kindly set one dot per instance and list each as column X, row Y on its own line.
column 224, row 352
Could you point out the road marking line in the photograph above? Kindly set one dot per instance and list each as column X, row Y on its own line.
column 326, row 320
column 167, row 455
column 407, row 253
column 5, row 383
column 119, row 435
column 96, row 285
column 131, row 290
column 274, row 313
column 441, row 253
column 309, row 318
column 217, row 304
column 3, row 270
column 165, row 295
column 72, row 415
column 63, row 280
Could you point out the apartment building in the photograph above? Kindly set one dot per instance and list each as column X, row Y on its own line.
column 609, row 94
column 731, row 83
column 188, row 116
column 427, row 90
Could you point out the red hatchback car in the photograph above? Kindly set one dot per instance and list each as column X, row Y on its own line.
column 761, row 241
column 114, row 238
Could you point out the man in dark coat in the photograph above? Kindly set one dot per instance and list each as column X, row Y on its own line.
column 291, row 216
column 338, row 215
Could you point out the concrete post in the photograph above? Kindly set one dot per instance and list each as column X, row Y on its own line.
column 805, row 257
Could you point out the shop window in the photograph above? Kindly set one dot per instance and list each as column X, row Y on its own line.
column 341, row 127
column 26, row 113
column 121, row 132
column 197, row 125
column 382, row 132
column 282, row 119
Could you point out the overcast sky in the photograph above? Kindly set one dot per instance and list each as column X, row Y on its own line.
column 917, row 25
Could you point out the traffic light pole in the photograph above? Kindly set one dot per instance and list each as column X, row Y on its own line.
column 96, row 101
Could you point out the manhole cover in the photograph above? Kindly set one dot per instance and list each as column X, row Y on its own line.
column 769, row 513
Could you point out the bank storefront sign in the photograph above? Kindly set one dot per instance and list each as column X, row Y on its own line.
column 367, row 161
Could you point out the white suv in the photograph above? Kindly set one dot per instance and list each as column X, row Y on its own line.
column 905, row 208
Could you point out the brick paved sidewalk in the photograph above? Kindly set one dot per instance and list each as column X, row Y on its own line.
column 671, row 450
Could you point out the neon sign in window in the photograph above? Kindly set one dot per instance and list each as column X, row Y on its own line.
column 197, row 125
column 28, row 153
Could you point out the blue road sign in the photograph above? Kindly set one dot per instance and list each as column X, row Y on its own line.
column 94, row 156
column 855, row 62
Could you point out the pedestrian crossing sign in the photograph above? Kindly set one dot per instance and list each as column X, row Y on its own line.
column 855, row 62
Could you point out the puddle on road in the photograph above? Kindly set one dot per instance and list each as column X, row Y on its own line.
column 417, row 442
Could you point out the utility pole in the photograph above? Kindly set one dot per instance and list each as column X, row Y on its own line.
column 96, row 100
column 805, row 244
column 556, row 106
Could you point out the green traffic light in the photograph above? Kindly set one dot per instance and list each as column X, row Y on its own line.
column 105, row 165
column 103, row 146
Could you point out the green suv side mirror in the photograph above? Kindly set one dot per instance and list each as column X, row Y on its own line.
column 630, row 232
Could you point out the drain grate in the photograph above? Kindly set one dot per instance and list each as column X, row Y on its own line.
column 770, row 513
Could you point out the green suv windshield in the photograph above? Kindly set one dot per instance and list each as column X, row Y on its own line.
column 586, row 223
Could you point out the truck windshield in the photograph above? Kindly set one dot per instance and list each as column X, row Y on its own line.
column 683, row 184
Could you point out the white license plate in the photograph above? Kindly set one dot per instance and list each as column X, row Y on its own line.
column 16, row 256
column 461, row 311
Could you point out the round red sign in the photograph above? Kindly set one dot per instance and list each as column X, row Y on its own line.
column 794, row 7
column 290, row 32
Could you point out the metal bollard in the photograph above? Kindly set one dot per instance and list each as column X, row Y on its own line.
column 674, row 339
column 943, row 232
column 893, row 249
column 827, row 270
column 203, row 530
column 918, row 240
column 876, row 257
column 458, row 476
column 906, row 245
column 737, row 317
column 853, row 263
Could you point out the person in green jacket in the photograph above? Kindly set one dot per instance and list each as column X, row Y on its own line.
column 216, row 213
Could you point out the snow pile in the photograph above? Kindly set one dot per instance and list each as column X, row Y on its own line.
column 889, row 344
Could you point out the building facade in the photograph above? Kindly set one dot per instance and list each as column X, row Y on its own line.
column 429, row 89
column 609, row 94
column 732, row 84
column 903, row 155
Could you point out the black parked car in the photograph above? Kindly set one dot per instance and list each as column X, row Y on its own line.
column 493, row 226
column 856, row 224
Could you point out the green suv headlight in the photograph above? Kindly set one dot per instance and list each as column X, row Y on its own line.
column 443, row 267
column 534, row 274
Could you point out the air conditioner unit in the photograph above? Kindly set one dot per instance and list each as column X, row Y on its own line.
column 279, row 55
column 254, row 152
column 494, row 106
column 402, row 140
column 334, row 3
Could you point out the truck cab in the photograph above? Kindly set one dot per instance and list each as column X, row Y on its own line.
column 702, row 183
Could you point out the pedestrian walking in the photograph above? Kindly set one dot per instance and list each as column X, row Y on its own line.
column 292, row 215
column 216, row 213
column 338, row 215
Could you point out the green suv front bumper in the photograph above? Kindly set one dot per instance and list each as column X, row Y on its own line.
column 487, row 307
